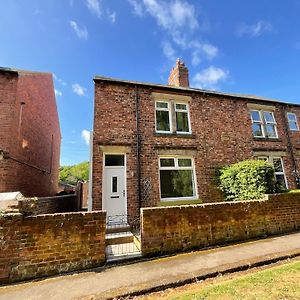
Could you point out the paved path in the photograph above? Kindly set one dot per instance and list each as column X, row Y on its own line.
column 118, row 280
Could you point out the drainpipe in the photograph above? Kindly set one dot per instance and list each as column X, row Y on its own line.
column 290, row 147
column 90, row 188
column 138, row 146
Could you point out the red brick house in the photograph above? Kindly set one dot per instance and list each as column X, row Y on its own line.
column 155, row 144
column 30, row 133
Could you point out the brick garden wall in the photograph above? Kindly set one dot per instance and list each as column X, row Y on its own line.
column 48, row 205
column 45, row 245
column 174, row 229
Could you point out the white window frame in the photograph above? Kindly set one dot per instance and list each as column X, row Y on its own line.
column 172, row 116
column 270, row 123
column 260, row 122
column 187, row 111
column 270, row 159
column 168, row 109
column 176, row 167
column 291, row 121
column 263, row 122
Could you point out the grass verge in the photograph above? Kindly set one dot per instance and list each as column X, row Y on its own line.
column 280, row 282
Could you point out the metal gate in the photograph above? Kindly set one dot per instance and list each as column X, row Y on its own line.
column 122, row 238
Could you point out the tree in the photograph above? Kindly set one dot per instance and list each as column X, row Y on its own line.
column 75, row 173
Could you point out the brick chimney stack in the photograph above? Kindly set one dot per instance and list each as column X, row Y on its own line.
column 179, row 75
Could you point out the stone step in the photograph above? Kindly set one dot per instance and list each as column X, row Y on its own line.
column 117, row 228
column 119, row 238
column 124, row 257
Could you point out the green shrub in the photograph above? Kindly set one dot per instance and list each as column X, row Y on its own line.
column 247, row 180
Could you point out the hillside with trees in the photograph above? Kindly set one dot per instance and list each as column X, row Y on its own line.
column 75, row 173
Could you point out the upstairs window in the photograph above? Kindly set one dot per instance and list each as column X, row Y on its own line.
column 172, row 117
column 182, row 118
column 263, row 124
column 292, row 120
column 177, row 178
column 163, row 121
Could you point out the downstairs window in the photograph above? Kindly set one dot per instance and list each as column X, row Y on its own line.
column 278, row 167
column 177, row 178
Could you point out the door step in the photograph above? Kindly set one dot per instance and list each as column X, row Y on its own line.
column 113, row 228
column 122, row 251
column 119, row 238
column 125, row 257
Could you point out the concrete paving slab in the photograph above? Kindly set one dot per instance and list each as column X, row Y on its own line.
column 154, row 274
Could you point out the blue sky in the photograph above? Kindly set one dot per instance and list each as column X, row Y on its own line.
column 248, row 47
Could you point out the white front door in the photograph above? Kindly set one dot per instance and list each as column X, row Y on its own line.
column 114, row 187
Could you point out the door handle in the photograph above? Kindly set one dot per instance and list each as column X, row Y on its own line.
column 113, row 197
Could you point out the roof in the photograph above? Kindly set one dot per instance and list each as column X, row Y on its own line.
column 194, row 90
column 19, row 71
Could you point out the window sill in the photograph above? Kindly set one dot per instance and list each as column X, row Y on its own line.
column 177, row 135
column 179, row 202
column 266, row 139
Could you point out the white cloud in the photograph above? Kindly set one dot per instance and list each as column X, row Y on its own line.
column 179, row 19
column 94, row 7
column 82, row 33
column 57, row 93
column 200, row 50
column 254, row 30
column 210, row 78
column 78, row 89
column 172, row 15
column 137, row 7
column 169, row 51
column 59, row 80
column 112, row 16
column 85, row 134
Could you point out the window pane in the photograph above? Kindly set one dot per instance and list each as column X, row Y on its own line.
column 277, row 165
column 256, row 128
column 182, row 122
column 184, row 162
column 161, row 104
column 114, row 160
column 271, row 130
column 167, row 162
column 292, row 117
column 280, row 180
column 269, row 117
column 293, row 125
column 114, row 184
column 255, row 115
column 162, row 121
column 181, row 106
column 176, row 183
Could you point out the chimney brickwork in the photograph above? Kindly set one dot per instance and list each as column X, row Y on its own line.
column 179, row 75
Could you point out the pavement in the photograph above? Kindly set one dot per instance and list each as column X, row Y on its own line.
column 156, row 274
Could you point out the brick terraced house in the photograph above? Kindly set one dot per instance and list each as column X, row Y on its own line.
column 155, row 144
column 30, row 133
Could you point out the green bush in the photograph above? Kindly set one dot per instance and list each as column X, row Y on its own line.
column 247, row 180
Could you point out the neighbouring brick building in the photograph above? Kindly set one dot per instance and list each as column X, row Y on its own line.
column 30, row 133
column 155, row 143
